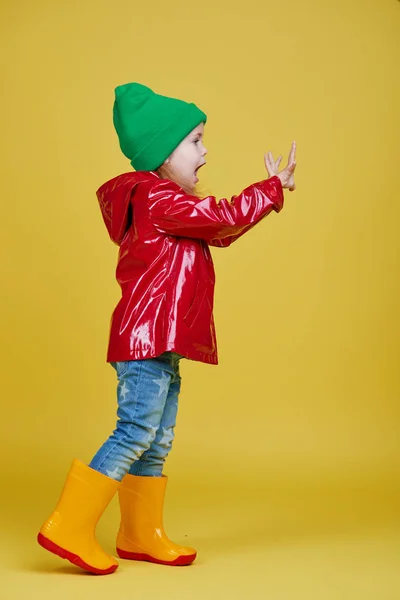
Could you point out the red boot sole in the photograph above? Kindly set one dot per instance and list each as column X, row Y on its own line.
column 73, row 558
column 181, row 561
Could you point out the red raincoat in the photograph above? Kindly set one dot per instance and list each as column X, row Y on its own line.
column 165, row 268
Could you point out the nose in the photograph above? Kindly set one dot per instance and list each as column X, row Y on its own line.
column 204, row 150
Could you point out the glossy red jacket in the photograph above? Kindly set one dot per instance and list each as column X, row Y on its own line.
column 165, row 268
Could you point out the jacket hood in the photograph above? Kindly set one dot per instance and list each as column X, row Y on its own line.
column 114, row 198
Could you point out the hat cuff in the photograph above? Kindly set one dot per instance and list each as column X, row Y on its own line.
column 154, row 153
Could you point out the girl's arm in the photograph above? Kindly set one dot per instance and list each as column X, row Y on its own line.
column 227, row 241
column 175, row 213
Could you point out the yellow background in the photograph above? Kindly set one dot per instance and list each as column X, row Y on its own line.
column 285, row 467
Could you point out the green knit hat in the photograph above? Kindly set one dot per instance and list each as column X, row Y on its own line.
column 150, row 126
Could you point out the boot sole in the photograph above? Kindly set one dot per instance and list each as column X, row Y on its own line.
column 181, row 561
column 73, row 558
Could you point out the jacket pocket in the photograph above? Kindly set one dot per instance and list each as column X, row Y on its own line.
column 195, row 307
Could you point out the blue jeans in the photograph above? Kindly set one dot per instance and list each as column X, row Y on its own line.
column 147, row 394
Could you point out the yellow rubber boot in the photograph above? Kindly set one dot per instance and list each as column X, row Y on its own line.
column 70, row 531
column 141, row 534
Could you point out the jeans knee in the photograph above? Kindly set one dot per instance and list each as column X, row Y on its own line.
column 159, row 449
column 135, row 437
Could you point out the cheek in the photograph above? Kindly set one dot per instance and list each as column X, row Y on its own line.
column 190, row 159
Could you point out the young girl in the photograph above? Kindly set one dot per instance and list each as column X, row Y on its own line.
column 166, row 275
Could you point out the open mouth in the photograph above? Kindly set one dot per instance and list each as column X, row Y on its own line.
column 198, row 168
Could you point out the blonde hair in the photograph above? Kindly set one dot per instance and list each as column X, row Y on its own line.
column 165, row 172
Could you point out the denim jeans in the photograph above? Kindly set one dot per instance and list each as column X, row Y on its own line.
column 147, row 395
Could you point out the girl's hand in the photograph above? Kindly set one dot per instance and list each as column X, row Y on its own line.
column 287, row 174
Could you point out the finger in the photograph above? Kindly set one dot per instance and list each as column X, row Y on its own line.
column 270, row 165
column 278, row 162
column 292, row 153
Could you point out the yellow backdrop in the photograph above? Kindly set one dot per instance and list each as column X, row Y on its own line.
column 307, row 304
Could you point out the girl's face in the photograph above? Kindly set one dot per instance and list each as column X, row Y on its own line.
column 188, row 157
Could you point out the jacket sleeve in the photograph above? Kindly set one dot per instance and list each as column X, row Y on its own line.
column 227, row 241
column 175, row 213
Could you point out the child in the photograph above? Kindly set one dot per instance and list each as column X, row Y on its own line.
column 166, row 275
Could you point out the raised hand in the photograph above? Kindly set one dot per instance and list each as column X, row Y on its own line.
column 287, row 174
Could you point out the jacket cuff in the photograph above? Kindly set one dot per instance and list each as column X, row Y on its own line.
column 272, row 188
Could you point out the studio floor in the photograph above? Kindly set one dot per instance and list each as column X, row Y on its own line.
column 278, row 541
